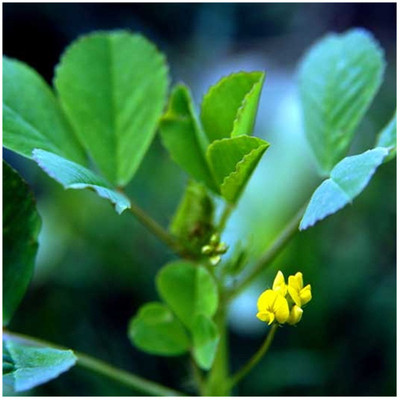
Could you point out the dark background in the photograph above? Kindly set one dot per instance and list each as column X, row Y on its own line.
column 95, row 269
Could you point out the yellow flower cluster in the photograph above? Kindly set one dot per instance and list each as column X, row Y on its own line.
column 283, row 303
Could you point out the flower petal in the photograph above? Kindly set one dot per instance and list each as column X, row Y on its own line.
column 279, row 284
column 294, row 294
column 266, row 299
column 305, row 294
column 281, row 309
column 295, row 315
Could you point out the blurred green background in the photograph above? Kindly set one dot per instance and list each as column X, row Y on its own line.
column 95, row 268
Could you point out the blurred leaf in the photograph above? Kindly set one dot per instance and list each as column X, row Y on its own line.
column 113, row 87
column 339, row 78
column 387, row 138
column 229, row 108
column 183, row 137
column 206, row 338
column 33, row 366
column 233, row 161
column 21, row 226
column 32, row 117
column 74, row 176
column 156, row 330
column 188, row 289
column 193, row 220
column 348, row 179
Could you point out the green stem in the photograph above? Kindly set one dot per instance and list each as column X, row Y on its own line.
column 224, row 217
column 157, row 230
column 280, row 242
column 256, row 357
column 216, row 384
column 126, row 378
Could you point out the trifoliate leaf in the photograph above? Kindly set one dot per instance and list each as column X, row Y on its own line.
column 229, row 108
column 183, row 137
column 188, row 289
column 339, row 78
column 33, row 366
column 205, row 338
column 21, row 226
column 74, row 176
column 347, row 180
column 233, row 161
column 32, row 117
column 113, row 87
column 387, row 138
column 156, row 330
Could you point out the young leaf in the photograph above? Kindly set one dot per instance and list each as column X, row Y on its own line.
column 229, row 108
column 33, row 366
column 74, row 176
column 387, row 138
column 232, row 162
column 339, row 78
column 156, row 330
column 188, row 289
column 183, row 137
column 21, row 226
column 193, row 220
column 205, row 338
column 347, row 180
column 113, row 87
column 32, row 117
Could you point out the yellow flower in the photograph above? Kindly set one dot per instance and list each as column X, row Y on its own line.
column 279, row 284
column 295, row 315
column 272, row 306
column 300, row 295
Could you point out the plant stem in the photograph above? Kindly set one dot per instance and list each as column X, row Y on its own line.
column 224, row 217
column 256, row 357
column 157, row 229
column 128, row 379
column 272, row 252
column 216, row 384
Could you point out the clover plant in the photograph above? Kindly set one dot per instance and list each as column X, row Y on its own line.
column 111, row 95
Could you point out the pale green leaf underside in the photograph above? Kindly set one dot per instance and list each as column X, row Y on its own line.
column 32, row 117
column 229, row 108
column 156, row 330
column 183, row 137
column 347, row 180
column 33, row 366
column 339, row 78
column 113, row 88
column 188, row 289
column 387, row 138
column 232, row 162
column 205, row 339
column 74, row 176
column 21, row 226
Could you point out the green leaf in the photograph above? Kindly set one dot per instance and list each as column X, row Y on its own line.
column 183, row 137
column 33, row 366
column 387, row 138
column 156, row 330
column 113, row 87
column 230, row 107
column 205, row 338
column 188, row 289
column 32, row 117
column 232, row 162
column 193, row 220
column 348, row 179
column 74, row 176
column 21, row 226
column 339, row 78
